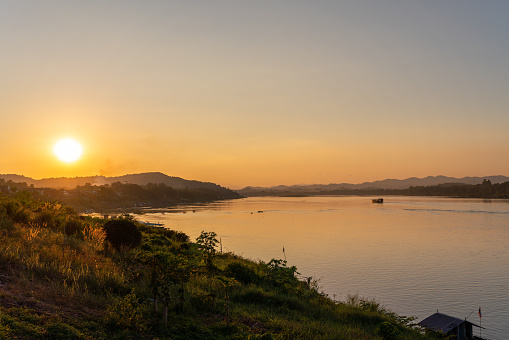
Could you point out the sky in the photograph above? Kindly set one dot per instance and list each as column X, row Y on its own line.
column 256, row 92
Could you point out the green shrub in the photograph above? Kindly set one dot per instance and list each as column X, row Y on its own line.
column 179, row 236
column 126, row 312
column 190, row 330
column 6, row 222
column 230, row 330
column 59, row 330
column 73, row 226
column 169, row 233
column 122, row 233
column 265, row 336
column 279, row 274
column 241, row 273
column 388, row 331
column 21, row 216
column 10, row 206
column 44, row 219
column 159, row 240
column 257, row 296
column 5, row 328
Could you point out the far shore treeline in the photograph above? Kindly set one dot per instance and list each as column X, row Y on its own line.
column 118, row 196
column 486, row 189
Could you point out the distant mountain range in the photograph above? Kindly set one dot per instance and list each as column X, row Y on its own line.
column 180, row 183
column 140, row 179
column 384, row 184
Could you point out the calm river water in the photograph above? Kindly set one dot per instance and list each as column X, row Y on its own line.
column 413, row 254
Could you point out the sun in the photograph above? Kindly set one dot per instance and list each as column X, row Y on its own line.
column 68, row 150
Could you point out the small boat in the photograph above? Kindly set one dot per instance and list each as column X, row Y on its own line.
column 377, row 200
column 150, row 224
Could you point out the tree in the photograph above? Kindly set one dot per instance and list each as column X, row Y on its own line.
column 177, row 270
column 279, row 273
column 228, row 284
column 155, row 262
column 207, row 241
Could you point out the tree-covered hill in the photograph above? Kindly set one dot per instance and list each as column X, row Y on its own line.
column 123, row 196
column 140, row 179
column 386, row 184
column 486, row 189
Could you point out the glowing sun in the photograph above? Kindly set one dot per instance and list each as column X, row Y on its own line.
column 68, row 150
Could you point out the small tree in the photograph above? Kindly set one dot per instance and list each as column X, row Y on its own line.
column 228, row 284
column 177, row 270
column 279, row 273
column 166, row 289
column 156, row 263
column 207, row 241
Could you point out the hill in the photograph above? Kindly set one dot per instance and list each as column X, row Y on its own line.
column 140, row 179
column 387, row 184
column 124, row 193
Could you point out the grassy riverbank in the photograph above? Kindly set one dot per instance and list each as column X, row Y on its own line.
column 60, row 280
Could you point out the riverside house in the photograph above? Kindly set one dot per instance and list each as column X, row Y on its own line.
column 450, row 325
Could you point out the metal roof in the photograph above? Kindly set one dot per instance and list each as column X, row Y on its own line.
column 442, row 322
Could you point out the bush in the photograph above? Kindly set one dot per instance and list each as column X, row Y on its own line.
column 73, row 227
column 179, row 236
column 388, row 331
column 126, row 312
column 159, row 240
column 59, row 330
column 5, row 221
column 279, row 274
column 11, row 207
column 169, row 233
column 271, row 300
column 44, row 219
column 21, row 216
column 122, row 233
column 241, row 273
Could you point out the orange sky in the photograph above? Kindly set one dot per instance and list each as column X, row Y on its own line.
column 257, row 93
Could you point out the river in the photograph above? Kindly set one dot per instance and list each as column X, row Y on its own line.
column 415, row 255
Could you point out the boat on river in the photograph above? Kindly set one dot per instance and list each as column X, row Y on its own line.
column 151, row 224
column 377, row 200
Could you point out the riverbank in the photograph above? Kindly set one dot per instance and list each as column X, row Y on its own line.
column 74, row 286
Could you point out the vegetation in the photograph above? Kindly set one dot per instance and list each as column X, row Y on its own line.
column 59, row 280
column 483, row 190
column 118, row 195
column 122, row 233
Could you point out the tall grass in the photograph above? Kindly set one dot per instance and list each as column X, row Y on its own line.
column 45, row 252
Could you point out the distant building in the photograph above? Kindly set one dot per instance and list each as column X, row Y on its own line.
column 450, row 325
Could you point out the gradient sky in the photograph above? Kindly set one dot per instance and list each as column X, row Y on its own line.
column 256, row 92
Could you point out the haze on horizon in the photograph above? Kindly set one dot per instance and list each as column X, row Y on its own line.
column 256, row 93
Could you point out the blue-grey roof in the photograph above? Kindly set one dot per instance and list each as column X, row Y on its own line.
column 442, row 322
